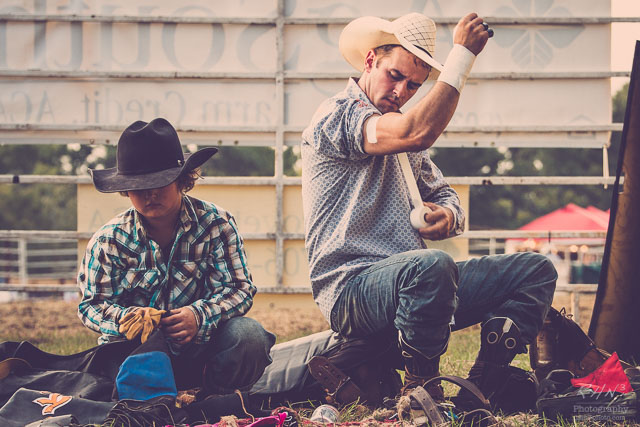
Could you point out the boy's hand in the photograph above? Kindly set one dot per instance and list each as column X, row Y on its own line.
column 140, row 321
column 180, row 325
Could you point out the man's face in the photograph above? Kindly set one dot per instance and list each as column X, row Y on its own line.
column 157, row 203
column 394, row 79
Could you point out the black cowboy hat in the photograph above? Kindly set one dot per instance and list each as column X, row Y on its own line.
column 149, row 156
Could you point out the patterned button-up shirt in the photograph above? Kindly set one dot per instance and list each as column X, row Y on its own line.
column 206, row 269
column 357, row 206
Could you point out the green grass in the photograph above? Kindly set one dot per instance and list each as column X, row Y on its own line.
column 57, row 343
column 459, row 357
column 62, row 333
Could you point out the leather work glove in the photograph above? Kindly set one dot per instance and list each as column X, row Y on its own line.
column 140, row 322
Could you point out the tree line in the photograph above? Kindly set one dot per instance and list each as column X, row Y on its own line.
column 53, row 206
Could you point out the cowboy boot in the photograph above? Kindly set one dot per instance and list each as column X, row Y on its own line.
column 500, row 341
column 160, row 410
column 419, row 369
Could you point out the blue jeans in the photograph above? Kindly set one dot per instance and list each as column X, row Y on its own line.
column 425, row 294
column 234, row 358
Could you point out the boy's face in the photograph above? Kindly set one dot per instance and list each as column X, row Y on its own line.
column 157, row 203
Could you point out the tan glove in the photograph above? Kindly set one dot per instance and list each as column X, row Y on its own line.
column 141, row 321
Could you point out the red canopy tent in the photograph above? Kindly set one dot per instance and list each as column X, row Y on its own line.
column 576, row 258
column 571, row 217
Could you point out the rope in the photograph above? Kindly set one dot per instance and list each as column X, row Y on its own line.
column 243, row 407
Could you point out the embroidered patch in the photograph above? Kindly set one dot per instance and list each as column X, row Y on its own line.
column 52, row 402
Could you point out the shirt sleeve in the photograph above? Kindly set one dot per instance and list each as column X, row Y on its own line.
column 336, row 129
column 229, row 281
column 434, row 188
column 98, row 284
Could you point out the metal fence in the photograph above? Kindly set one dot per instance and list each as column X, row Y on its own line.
column 26, row 261
column 30, row 265
column 284, row 127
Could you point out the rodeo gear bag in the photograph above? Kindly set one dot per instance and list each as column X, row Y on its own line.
column 561, row 344
column 609, row 399
column 350, row 370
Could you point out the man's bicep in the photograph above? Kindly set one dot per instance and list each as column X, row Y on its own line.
column 384, row 135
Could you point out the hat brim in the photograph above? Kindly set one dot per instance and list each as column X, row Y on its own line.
column 109, row 181
column 368, row 32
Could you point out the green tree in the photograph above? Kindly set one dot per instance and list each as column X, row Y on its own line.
column 248, row 161
column 510, row 207
column 39, row 206
column 54, row 206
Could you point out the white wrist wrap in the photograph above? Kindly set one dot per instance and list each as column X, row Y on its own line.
column 372, row 137
column 458, row 66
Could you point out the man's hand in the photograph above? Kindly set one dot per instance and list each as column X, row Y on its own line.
column 180, row 325
column 440, row 222
column 470, row 33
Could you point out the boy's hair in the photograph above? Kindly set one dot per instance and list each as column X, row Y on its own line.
column 186, row 181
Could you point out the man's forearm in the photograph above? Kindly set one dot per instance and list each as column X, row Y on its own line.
column 418, row 128
column 431, row 115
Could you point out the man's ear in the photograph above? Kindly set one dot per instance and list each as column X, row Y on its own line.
column 369, row 60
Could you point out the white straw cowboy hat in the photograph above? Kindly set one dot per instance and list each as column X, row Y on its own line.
column 414, row 31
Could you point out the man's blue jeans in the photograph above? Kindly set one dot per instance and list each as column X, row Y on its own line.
column 425, row 294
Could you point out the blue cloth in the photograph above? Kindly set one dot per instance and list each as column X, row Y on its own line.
column 419, row 292
column 234, row 359
column 144, row 376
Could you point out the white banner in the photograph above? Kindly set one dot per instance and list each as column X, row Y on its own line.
column 121, row 102
column 513, row 49
column 489, row 103
column 449, row 8
column 238, row 51
column 310, row 8
column 164, row 8
column 154, row 47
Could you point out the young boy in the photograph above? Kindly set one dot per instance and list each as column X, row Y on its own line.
column 171, row 263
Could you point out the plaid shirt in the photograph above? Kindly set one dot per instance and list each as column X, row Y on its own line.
column 206, row 270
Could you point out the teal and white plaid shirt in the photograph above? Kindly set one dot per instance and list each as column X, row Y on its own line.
column 206, row 270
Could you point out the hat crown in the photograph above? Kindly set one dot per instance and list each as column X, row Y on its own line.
column 418, row 30
column 414, row 31
column 149, row 147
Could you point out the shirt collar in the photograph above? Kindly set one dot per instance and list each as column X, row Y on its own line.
column 139, row 232
column 355, row 91
column 186, row 219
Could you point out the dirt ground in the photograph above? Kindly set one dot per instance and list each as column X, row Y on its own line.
column 35, row 318
column 32, row 320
